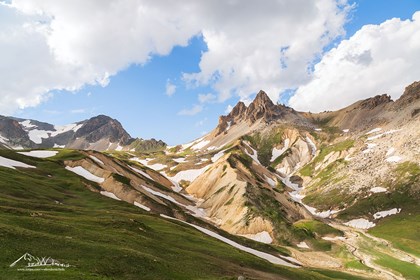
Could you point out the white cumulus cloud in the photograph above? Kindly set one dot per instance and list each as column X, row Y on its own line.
column 48, row 45
column 192, row 111
column 377, row 59
column 170, row 88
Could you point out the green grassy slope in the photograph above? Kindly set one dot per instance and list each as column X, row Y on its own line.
column 48, row 211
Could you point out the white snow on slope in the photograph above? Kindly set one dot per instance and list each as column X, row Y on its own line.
column 188, row 175
column 278, row 152
column 39, row 154
column 394, row 159
column 142, row 206
column 200, row 145
column 266, row 256
column 27, row 124
column 390, row 151
column 254, row 155
column 370, row 147
column 263, row 237
column 378, row 190
column 9, row 163
column 97, row 160
column 318, row 129
column 119, row 148
column 360, row 223
column 37, row 135
column 179, row 160
column 374, row 130
column 383, row 214
column 156, row 167
column 165, row 196
column 110, row 195
column 64, row 128
column 85, row 174
column 346, row 130
column 217, row 156
column 197, row 212
column 270, row 181
column 311, row 144
column 141, row 172
column 303, row 245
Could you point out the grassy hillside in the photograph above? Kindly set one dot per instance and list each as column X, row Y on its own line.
column 48, row 211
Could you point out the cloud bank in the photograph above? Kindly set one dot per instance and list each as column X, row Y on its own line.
column 48, row 45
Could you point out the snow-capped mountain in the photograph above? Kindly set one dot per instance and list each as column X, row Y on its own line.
column 98, row 133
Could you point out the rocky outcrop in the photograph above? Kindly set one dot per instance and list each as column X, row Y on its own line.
column 411, row 94
column 101, row 127
column 12, row 133
column 374, row 102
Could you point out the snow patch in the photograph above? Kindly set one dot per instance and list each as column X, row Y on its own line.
column 311, row 145
column 9, row 163
column 110, row 195
column 374, row 130
column 254, row 155
column 263, row 237
column 97, row 159
column 360, row 223
column 346, row 130
column 179, row 160
column 270, row 181
column 394, row 159
column 200, row 145
column 142, row 206
column 383, row 214
column 217, row 156
column 263, row 255
column 378, row 190
column 390, row 151
column 188, row 175
column 39, row 154
column 303, row 245
column 141, row 172
column 27, row 124
column 278, row 152
column 318, row 129
column 85, row 174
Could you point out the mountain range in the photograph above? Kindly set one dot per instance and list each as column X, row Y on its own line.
column 321, row 193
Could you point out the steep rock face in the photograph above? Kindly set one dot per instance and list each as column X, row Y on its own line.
column 11, row 130
column 101, row 127
column 373, row 102
column 146, row 146
column 411, row 94
column 262, row 108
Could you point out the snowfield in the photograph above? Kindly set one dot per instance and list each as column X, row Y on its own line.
column 39, row 154
column 110, row 195
column 9, row 163
column 383, row 214
column 266, row 256
column 360, row 223
column 200, row 145
column 85, row 174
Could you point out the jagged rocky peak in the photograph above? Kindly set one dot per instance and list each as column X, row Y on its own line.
column 102, row 126
column 11, row 130
column 374, row 102
column 411, row 93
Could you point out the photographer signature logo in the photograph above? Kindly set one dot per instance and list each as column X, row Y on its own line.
column 28, row 262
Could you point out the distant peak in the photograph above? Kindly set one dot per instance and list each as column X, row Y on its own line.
column 262, row 98
column 375, row 101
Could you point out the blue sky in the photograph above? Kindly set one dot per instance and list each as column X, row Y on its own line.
column 136, row 94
